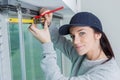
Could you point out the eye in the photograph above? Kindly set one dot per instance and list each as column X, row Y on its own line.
column 81, row 33
column 72, row 36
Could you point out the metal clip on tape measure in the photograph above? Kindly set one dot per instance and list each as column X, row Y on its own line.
column 38, row 20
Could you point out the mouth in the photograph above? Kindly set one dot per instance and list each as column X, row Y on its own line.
column 79, row 47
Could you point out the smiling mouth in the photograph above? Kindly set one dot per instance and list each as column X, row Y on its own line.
column 78, row 47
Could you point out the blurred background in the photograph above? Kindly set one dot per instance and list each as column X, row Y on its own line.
column 20, row 52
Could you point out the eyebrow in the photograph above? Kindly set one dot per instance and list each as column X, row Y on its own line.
column 78, row 30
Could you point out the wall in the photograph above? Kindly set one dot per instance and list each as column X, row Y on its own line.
column 109, row 13
column 71, row 4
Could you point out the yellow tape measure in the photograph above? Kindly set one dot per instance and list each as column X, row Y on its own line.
column 36, row 21
column 15, row 20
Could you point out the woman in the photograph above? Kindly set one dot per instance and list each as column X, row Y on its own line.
column 90, row 52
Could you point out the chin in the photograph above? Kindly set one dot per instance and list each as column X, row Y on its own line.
column 81, row 53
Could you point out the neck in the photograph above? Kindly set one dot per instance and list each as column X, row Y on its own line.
column 96, row 54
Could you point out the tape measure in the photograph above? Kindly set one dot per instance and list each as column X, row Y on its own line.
column 35, row 21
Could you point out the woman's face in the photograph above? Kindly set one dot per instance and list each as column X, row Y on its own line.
column 84, row 39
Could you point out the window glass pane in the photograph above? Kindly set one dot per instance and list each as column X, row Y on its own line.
column 33, row 50
column 15, row 51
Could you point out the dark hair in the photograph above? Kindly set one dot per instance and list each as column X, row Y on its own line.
column 105, row 45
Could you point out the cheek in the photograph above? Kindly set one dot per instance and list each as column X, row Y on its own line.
column 89, row 42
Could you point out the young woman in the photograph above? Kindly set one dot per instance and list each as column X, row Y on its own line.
column 90, row 51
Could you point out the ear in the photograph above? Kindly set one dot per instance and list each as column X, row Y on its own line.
column 98, row 36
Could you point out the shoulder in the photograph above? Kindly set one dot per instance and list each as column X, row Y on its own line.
column 111, row 64
column 110, row 70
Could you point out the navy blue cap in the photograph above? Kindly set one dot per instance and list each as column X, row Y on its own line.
column 82, row 19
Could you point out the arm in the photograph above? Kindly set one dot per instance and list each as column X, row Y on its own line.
column 63, row 44
column 52, row 71
column 49, row 64
column 60, row 42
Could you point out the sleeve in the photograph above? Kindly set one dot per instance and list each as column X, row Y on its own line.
column 52, row 71
column 63, row 44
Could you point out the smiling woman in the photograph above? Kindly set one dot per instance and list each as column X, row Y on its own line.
column 90, row 51
column 86, row 41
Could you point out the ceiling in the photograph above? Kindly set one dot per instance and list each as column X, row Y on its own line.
column 51, row 4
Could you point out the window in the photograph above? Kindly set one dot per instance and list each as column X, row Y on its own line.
column 33, row 52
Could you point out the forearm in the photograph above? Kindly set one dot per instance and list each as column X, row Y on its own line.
column 64, row 45
column 49, row 63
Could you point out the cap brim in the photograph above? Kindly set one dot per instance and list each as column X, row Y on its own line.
column 64, row 30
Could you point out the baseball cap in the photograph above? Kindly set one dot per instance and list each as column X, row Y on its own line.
column 82, row 19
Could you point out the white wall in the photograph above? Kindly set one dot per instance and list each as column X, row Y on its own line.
column 71, row 4
column 109, row 13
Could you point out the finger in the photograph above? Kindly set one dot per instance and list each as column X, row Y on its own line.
column 46, row 16
column 44, row 13
column 33, row 28
column 42, row 10
column 45, row 25
column 34, row 33
column 50, row 14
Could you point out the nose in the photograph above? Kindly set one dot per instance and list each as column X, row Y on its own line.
column 76, row 40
